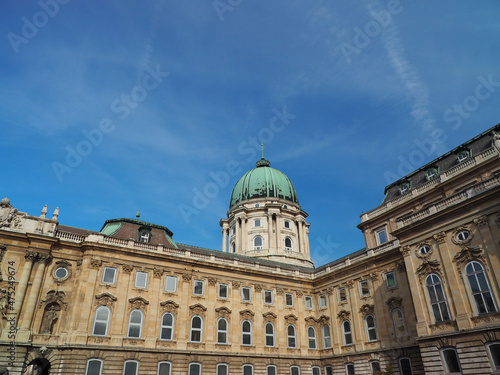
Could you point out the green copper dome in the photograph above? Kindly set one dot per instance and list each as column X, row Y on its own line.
column 263, row 181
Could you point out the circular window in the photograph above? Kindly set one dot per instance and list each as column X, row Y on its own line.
column 463, row 235
column 61, row 272
column 424, row 249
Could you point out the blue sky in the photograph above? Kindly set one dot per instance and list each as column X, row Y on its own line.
column 112, row 106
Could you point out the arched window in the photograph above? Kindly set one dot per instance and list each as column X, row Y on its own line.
column 375, row 367
column 257, row 243
column 247, row 370
column 327, row 340
column 346, row 328
column 167, row 326
column 398, row 321
column 311, row 336
column 130, row 367
column 437, row 298
column 101, row 321
column 295, row 370
column 271, row 370
column 233, row 247
column 269, row 334
column 405, row 366
column 288, row 244
column 164, row 368
column 222, row 369
column 371, row 331
column 196, row 328
column 222, row 331
column 94, row 367
column 246, row 333
column 291, row 336
column 195, row 368
column 135, row 324
column 480, row 288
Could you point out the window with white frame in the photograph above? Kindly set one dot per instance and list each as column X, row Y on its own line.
column 171, row 284
column 295, row 370
column 288, row 244
column 268, row 296
column 316, row 370
column 349, row 369
column 405, row 366
column 222, row 328
column 494, row 354
column 141, row 279
column 195, row 369
column 101, row 321
column 308, row 302
column 437, row 298
column 462, row 156
column 375, row 367
column 222, row 369
column 269, row 331
column 109, row 275
column 164, row 368
column 327, row 340
column 196, row 329
column 451, row 361
column 291, row 336
column 424, row 249
column 94, row 367
column 223, row 291
column 256, row 223
column 247, row 370
column 390, row 280
column 167, row 326
column 371, row 330
column 130, row 367
column 431, row 173
column 257, row 243
column 322, row 301
column 346, row 329
column 198, row 287
column 286, row 224
column 398, row 321
column 311, row 336
column 364, row 288
column 381, row 236
column 289, row 299
column 135, row 324
column 246, row 294
column 480, row 288
column 328, row 370
column 271, row 370
column 342, row 295
column 246, row 333
column 463, row 235
column 144, row 235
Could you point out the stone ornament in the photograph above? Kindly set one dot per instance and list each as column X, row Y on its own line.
column 212, row 281
column 158, row 272
column 58, row 297
column 343, row 315
column 222, row 312
column 405, row 250
column 50, row 317
column 394, row 302
column 290, row 318
column 105, row 298
column 169, row 306
column 467, row 254
column 440, row 237
column 139, row 302
column 269, row 316
column 197, row 309
column 481, row 221
column 247, row 315
column 7, row 213
column 127, row 268
column 366, row 309
column 95, row 263
column 428, row 267
column 258, row 287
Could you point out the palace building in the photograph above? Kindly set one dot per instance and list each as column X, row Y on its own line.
column 421, row 298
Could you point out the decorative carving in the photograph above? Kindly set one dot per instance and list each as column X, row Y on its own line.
column 440, row 237
column 349, row 284
column 45, row 258
column 79, row 262
column 58, row 297
column 401, row 267
column 481, row 221
column 212, row 281
column 236, row 284
column 423, row 254
column 443, row 326
column 428, row 267
column 466, row 255
column 488, row 318
column 95, row 263
column 290, row 318
column 299, row 293
column 127, row 268
column 461, row 243
column 495, row 142
column 197, row 309
column 223, row 311
column 269, row 316
column 105, row 299
column 366, row 309
column 279, row 291
column 169, row 305
column 343, row 315
column 405, row 250
column 138, row 302
column 49, row 317
column 31, row 255
column 373, row 276
column 394, row 302
column 330, row 290
column 247, row 314
column 186, row 277
column 4, row 302
column 258, row 287
column 158, row 272
column 7, row 213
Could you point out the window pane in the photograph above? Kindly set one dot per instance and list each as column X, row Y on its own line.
column 316, row 371
column 196, row 336
column 375, row 367
column 451, row 360
column 194, row 369
column 100, row 328
column 222, row 370
column 246, row 294
column 130, row 368
column 134, row 331
column 164, row 369
column 166, row 333
column 328, row 371
column 222, row 290
column 247, row 370
column 167, row 320
column 322, row 301
column 289, row 299
column 405, row 366
column 171, row 284
column 271, row 370
column 342, row 295
column 295, row 371
column 93, row 367
column 198, row 287
column 350, row 369
column 495, row 355
column 390, row 280
column 141, row 279
column 309, row 303
column 268, row 296
column 109, row 275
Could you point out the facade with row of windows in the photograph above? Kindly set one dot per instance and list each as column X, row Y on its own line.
column 422, row 297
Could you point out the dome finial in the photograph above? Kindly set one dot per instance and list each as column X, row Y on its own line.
column 262, row 145
column 263, row 162
column 138, row 214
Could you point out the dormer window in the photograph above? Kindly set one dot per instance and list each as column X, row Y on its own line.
column 431, row 173
column 404, row 188
column 144, row 235
column 463, row 155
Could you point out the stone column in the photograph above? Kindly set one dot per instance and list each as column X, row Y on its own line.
column 299, row 236
column 237, row 231
column 244, row 232
column 23, row 281
column 277, row 227
column 224, row 240
column 307, row 250
column 35, row 290
column 270, row 231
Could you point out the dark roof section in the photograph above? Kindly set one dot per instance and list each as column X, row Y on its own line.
column 446, row 161
column 80, row 231
column 138, row 222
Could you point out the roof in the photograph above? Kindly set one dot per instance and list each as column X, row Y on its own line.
column 137, row 222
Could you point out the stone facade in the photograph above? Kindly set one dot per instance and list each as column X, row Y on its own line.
column 422, row 296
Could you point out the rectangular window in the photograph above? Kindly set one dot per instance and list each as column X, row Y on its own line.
column 363, row 286
column 109, row 275
column 246, row 294
column 271, row 370
column 141, row 279
column 309, row 302
column 247, row 370
column 295, row 370
column 171, row 284
column 349, row 369
column 451, row 362
column 287, row 224
column 130, row 368
column 94, row 367
column 328, row 370
column 322, row 301
column 198, row 287
column 223, row 290
column 494, row 352
column 381, row 235
column 222, row 369
column 256, row 223
column 316, row 371
column 405, row 366
column 268, row 296
column 194, row 369
column 164, row 368
column 390, row 280
column 342, row 295
column 289, row 299
column 375, row 367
